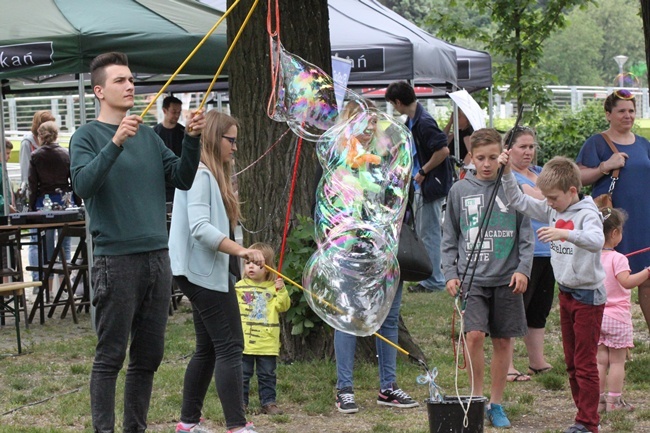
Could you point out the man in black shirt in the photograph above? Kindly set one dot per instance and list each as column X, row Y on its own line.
column 171, row 132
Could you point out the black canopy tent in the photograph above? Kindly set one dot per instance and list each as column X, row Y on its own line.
column 386, row 47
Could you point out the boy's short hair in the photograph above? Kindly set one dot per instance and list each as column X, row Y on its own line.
column 485, row 137
column 400, row 91
column 171, row 100
column 559, row 173
column 99, row 64
column 269, row 257
column 8, row 144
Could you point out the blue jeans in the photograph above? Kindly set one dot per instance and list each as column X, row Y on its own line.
column 265, row 377
column 131, row 294
column 345, row 345
column 430, row 231
column 219, row 348
column 50, row 243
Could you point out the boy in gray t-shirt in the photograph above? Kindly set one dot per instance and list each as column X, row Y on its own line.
column 502, row 268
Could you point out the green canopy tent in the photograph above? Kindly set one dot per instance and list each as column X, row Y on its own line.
column 44, row 40
column 46, row 37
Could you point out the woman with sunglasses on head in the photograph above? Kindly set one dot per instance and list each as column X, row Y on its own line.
column 538, row 298
column 597, row 162
column 203, row 258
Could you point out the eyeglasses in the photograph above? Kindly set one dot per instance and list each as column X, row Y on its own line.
column 623, row 94
column 233, row 140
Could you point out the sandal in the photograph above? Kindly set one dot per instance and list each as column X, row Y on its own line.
column 533, row 371
column 517, row 377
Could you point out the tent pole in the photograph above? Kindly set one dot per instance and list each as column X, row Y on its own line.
column 82, row 100
column 89, row 236
column 6, row 187
column 456, row 131
column 491, row 106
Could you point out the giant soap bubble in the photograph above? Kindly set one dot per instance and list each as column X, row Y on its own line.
column 355, row 276
column 360, row 202
column 304, row 93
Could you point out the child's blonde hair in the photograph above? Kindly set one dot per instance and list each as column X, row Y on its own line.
column 485, row 137
column 559, row 173
column 613, row 218
column 269, row 257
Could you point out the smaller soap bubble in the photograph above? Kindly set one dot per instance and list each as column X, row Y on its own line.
column 305, row 96
column 353, row 278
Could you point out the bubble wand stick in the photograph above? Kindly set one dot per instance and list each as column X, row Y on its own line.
column 421, row 362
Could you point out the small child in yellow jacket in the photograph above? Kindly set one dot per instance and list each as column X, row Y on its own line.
column 261, row 300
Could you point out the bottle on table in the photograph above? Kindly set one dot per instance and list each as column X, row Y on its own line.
column 47, row 203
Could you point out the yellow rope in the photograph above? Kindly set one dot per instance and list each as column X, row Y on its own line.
column 225, row 59
column 189, row 57
column 338, row 310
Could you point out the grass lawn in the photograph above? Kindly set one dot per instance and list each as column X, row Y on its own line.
column 46, row 389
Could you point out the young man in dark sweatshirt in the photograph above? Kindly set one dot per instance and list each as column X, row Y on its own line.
column 119, row 168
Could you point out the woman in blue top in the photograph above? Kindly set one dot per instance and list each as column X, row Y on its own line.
column 538, row 298
column 597, row 161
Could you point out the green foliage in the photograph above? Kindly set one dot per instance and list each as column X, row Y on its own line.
column 591, row 39
column 300, row 247
column 413, row 10
column 581, row 41
column 516, row 36
column 565, row 132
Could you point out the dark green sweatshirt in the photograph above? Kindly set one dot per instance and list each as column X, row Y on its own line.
column 124, row 188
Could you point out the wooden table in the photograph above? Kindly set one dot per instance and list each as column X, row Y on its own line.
column 43, row 296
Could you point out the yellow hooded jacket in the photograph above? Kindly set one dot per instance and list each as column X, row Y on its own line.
column 260, row 306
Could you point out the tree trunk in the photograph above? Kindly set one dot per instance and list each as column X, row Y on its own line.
column 645, row 16
column 264, row 188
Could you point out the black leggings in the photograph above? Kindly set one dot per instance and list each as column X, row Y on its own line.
column 538, row 299
column 219, row 348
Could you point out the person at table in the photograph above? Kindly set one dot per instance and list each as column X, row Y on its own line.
column 597, row 162
column 4, row 180
column 49, row 174
column 30, row 141
column 171, row 132
column 119, row 167
column 465, row 130
column 28, row 145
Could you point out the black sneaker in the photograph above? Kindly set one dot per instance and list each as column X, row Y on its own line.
column 418, row 288
column 345, row 400
column 396, row 398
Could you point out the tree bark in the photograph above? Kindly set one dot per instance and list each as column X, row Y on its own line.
column 264, row 188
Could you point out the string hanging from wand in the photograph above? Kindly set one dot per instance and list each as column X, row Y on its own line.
column 421, row 362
